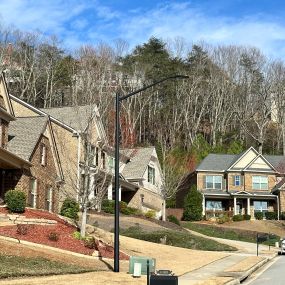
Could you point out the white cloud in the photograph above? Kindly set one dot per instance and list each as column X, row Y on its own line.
column 89, row 21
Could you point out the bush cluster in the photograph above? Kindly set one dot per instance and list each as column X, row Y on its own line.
column 223, row 219
column 150, row 214
column 16, row 201
column 271, row 216
column 238, row 218
column 108, row 206
column 70, row 209
column 173, row 219
column 258, row 215
column 247, row 217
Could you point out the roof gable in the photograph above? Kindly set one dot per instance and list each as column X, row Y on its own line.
column 260, row 164
column 5, row 103
column 245, row 159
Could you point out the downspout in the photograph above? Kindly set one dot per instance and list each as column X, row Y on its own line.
column 78, row 166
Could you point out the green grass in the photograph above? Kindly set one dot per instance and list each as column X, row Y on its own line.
column 16, row 266
column 226, row 233
column 176, row 238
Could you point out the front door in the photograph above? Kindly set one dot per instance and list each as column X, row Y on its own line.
column 239, row 208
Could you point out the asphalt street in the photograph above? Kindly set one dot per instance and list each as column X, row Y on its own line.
column 273, row 275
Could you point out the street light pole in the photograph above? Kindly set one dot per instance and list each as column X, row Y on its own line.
column 117, row 163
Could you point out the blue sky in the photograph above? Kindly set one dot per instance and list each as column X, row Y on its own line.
column 259, row 23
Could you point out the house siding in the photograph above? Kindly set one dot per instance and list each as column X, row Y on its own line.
column 45, row 176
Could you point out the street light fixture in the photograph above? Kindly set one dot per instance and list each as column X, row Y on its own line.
column 117, row 157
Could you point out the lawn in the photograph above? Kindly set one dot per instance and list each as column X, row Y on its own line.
column 16, row 266
column 229, row 233
column 176, row 238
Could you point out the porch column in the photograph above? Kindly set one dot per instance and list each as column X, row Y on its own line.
column 248, row 206
column 203, row 205
column 278, row 207
column 110, row 191
column 120, row 193
column 235, row 205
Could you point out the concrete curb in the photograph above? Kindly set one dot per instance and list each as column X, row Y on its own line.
column 53, row 248
column 247, row 273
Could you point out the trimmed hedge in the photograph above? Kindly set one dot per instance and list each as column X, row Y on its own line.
column 16, row 201
column 271, row 216
column 238, row 218
column 70, row 209
column 258, row 215
column 246, row 217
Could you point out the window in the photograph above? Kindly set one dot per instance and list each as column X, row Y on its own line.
column 111, row 163
column 97, row 157
column 151, row 175
column 48, row 199
column 103, row 159
column 92, row 155
column 213, row 182
column 237, row 180
column 214, row 205
column 260, row 182
column 33, row 193
column 43, row 154
column 260, row 206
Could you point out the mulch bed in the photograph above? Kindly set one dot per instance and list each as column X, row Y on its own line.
column 40, row 234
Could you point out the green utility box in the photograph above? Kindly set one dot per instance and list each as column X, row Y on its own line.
column 143, row 261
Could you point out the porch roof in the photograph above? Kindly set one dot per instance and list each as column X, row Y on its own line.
column 9, row 160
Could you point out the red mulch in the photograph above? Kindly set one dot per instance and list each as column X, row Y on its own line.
column 39, row 234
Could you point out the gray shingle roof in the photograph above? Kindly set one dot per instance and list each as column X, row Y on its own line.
column 220, row 162
column 75, row 116
column 217, row 162
column 24, row 134
column 139, row 161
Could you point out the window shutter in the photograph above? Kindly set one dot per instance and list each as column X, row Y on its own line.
column 234, row 180
column 223, row 183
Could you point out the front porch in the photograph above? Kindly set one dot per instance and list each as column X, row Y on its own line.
column 239, row 203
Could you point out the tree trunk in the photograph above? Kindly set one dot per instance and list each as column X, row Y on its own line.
column 83, row 221
column 164, row 210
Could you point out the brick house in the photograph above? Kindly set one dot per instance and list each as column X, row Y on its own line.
column 28, row 159
column 238, row 184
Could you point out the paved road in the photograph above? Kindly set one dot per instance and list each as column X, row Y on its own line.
column 273, row 275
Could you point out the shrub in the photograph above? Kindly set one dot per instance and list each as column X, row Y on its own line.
column 193, row 205
column 130, row 211
column 76, row 235
column 70, row 209
column 258, row 215
column 271, row 216
column 16, row 201
column 173, row 219
column 246, row 217
column 108, row 206
column 282, row 216
column 53, row 236
column 150, row 214
column 90, row 242
column 238, row 218
column 223, row 219
column 22, row 229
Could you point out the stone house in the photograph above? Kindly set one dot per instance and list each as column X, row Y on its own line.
column 238, row 184
column 69, row 125
column 28, row 160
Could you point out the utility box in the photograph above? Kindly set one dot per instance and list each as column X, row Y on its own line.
column 163, row 280
column 143, row 261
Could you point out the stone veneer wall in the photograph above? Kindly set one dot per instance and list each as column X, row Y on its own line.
column 46, row 177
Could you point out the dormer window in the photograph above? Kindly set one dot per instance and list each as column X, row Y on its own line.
column 43, row 156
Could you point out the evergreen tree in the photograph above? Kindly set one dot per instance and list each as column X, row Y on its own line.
column 193, row 205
